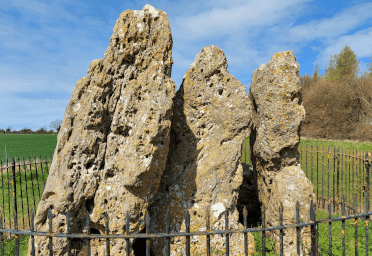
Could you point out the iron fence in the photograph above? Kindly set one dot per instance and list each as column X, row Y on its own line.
column 22, row 184
column 168, row 235
column 335, row 174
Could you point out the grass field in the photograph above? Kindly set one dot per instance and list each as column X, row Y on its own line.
column 30, row 145
column 19, row 145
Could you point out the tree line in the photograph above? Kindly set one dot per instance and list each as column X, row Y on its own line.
column 338, row 104
column 56, row 125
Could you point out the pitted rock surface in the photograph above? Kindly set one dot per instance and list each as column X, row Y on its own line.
column 277, row 115
column 113, row 143
column 211, row 118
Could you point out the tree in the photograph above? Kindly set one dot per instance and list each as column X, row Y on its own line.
column 370, row 68
column 343, row 65
column 42, row 130
column 56, row 125
column 9, row 129
column 316, row 73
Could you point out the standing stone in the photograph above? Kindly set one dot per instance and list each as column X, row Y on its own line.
column 113, row 143
column 211, row 118
column 277, row 114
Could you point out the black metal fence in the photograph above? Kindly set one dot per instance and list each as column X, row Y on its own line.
column 168, row 235
column 335, row 173
column 22, row 184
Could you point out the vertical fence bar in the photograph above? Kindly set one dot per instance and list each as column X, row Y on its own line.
column 20, row 184
column 317, row 176
column 16, row 228
column 313, row 235
column 281, row 230
column 1, row 234
column 367, row 218
column 127, row 219
column 298, row 228
column 42, row 173
column 245, row 216
column 28, row 205
column 2, row 184
column 148, row 227
column 356, row 226
column 36, row 175
column 349, row 184
column 338, row 175
column 107, row 233
column 367, row 183
column 32, row 236
column 187, row 224
column 311, row 165
column 227, row 235
column 343, row 224
column 323, row 177
column 167, row 230
column 87, row 223
column 329, row 202
column 50, row 217
column 46, row 163
column 354, row 175
column 329, row 231
column 68, row 231
column 263, row 232
column 306, row 160
column 334, row 179
column 208, row 236
column 7, row 177
column 14, row 185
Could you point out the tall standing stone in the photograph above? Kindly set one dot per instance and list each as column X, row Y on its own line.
column 211, row 118
column 113, row 143
column 277, row 115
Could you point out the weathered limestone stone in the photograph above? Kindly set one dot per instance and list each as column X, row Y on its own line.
column 113, row 143
column 277, row 114
column 211, row 118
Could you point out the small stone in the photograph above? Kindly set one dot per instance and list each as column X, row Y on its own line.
column 113, row 143
column 203, row 172
column 275, row 97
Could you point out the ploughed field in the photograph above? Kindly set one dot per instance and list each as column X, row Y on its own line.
column 31, row 179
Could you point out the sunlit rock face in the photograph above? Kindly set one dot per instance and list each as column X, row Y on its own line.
column 277, row 113
column 211, row 118
column 113, row 143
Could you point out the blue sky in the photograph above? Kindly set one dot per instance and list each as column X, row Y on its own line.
column 46, row 46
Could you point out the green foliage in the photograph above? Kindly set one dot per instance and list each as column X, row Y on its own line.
column 342, row 65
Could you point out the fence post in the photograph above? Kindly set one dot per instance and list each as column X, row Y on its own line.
column 14, row 187
column 338, row 176
column 367, row 183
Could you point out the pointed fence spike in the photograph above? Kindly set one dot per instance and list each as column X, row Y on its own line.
column 147, row 217
column 187, row 218
column 245, row 216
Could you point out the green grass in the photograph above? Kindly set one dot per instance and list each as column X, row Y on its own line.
column 10, row 246
column 25, row 145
